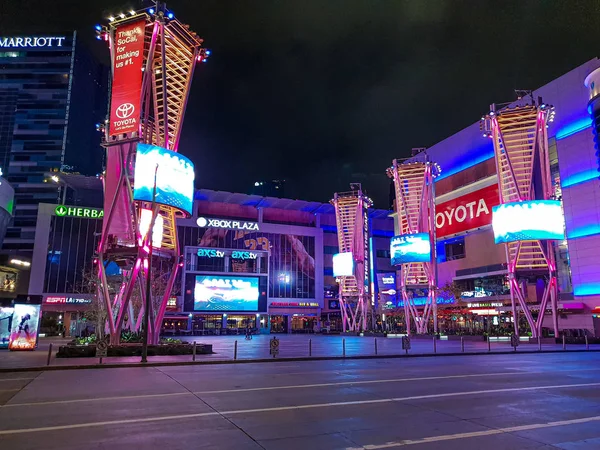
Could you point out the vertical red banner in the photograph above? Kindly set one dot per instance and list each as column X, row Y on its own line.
column 127, row 77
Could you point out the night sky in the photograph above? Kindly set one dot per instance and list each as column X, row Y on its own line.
column 325, row 92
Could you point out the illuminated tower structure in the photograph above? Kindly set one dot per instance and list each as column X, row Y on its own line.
column 351, row 213
column 520, row 142
column 413, row 246
column 153, row 56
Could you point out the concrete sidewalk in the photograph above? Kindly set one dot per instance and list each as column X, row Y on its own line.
column 291, row 347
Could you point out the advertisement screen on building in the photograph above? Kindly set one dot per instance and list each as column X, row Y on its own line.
column 467, row 212
column 343, row 264
column 226, row 293
column 288, row 254
column 24, row 328
column 6, row 315
column 410, row 248
column 530, row 220
column 174, row 178
column 128, row 58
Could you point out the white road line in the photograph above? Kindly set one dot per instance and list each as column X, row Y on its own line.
column 286, row 408
column 275, row 388
column 449, row 437
column 15, row 379
column 96, row 399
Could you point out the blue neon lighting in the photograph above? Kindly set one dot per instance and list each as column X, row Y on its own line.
column 588, row 230
column 573, row 127
column 468, row 159
column 579, row 178
column 170, row 15
column 420, row 301
column 98, row 27
column 587, row 289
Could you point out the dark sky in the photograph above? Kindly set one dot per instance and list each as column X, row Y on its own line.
column 325, row 92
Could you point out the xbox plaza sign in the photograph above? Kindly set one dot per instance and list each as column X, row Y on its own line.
column 78, row 211
column 227, row 224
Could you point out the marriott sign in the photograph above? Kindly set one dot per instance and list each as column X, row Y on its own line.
column 467, row 212
column 32, row 41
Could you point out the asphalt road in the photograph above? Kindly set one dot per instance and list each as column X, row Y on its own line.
column 523, row 401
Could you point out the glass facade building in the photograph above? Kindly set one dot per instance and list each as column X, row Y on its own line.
column 51, row 96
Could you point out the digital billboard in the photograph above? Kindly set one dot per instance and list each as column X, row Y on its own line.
column 343, row 264
column 529, row 220
column 6, row 315
column 127, row 77
column 24, row 328
column 410, row 248
column 174, row 178
column 226, row 293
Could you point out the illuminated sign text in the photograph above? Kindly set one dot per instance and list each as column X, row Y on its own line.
column 26, row 42
column 76, row 211
column 227, row 224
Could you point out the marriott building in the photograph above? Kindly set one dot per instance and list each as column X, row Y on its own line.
column 52, row 95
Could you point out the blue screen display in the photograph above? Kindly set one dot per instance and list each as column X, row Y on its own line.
column 410, row 248
column 529, row 220
column 226, row 293
column 174, row 178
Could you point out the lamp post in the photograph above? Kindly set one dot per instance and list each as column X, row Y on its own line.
column 149, row 238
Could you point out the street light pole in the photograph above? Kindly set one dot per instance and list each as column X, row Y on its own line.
column 149, row 236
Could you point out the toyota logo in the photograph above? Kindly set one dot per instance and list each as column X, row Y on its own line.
column 124, row 110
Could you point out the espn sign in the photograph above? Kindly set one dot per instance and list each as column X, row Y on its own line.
column 467, row 212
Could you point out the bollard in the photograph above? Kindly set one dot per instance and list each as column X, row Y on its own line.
column 434, row 345
column 235, row 350
column 462, row 344
column 489, row 344
column 310, row 347
column 194, row 351
column 376, row 346
column 564, row 343
column 49, row 353
column 587, row 344
column 539, row 344
column 344, row 347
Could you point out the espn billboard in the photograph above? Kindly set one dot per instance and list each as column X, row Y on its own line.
column 467, row 212
column 128, row 57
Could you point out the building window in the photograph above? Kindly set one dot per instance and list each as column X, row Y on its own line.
column 330, row 250
column 381, row 253
column 451, row 249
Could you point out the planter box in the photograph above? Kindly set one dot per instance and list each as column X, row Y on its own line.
column 89, row 351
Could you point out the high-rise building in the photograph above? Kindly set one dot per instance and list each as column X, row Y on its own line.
column 272, row 188
column 52, row 95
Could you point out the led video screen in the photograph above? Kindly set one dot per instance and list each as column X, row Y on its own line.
column 410, row 248
column 23, row 332
column 343, row 264
column 5, row 325
column 174, row 179
column 226, row 293
column 530, row 220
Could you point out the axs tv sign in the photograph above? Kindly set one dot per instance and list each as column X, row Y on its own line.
column 467, row 212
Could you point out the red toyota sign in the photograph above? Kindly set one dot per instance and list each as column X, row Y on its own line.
column 467, row 212
column 127, row 78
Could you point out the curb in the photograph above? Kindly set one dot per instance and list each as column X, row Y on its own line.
column 277, row 360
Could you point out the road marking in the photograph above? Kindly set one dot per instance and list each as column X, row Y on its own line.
column 287, row 408
column 274, row 388
column 15, row 379
column 449, row 437
column 96, row 399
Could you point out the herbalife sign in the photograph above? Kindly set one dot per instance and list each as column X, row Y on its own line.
column 78, row 211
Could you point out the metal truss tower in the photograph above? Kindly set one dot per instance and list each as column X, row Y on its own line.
column 523, row 167
column 351, row 212
column 415, row 208
column 170, row 53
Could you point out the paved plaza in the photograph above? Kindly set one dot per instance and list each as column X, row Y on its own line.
column 291, row 346
column 523, row 401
